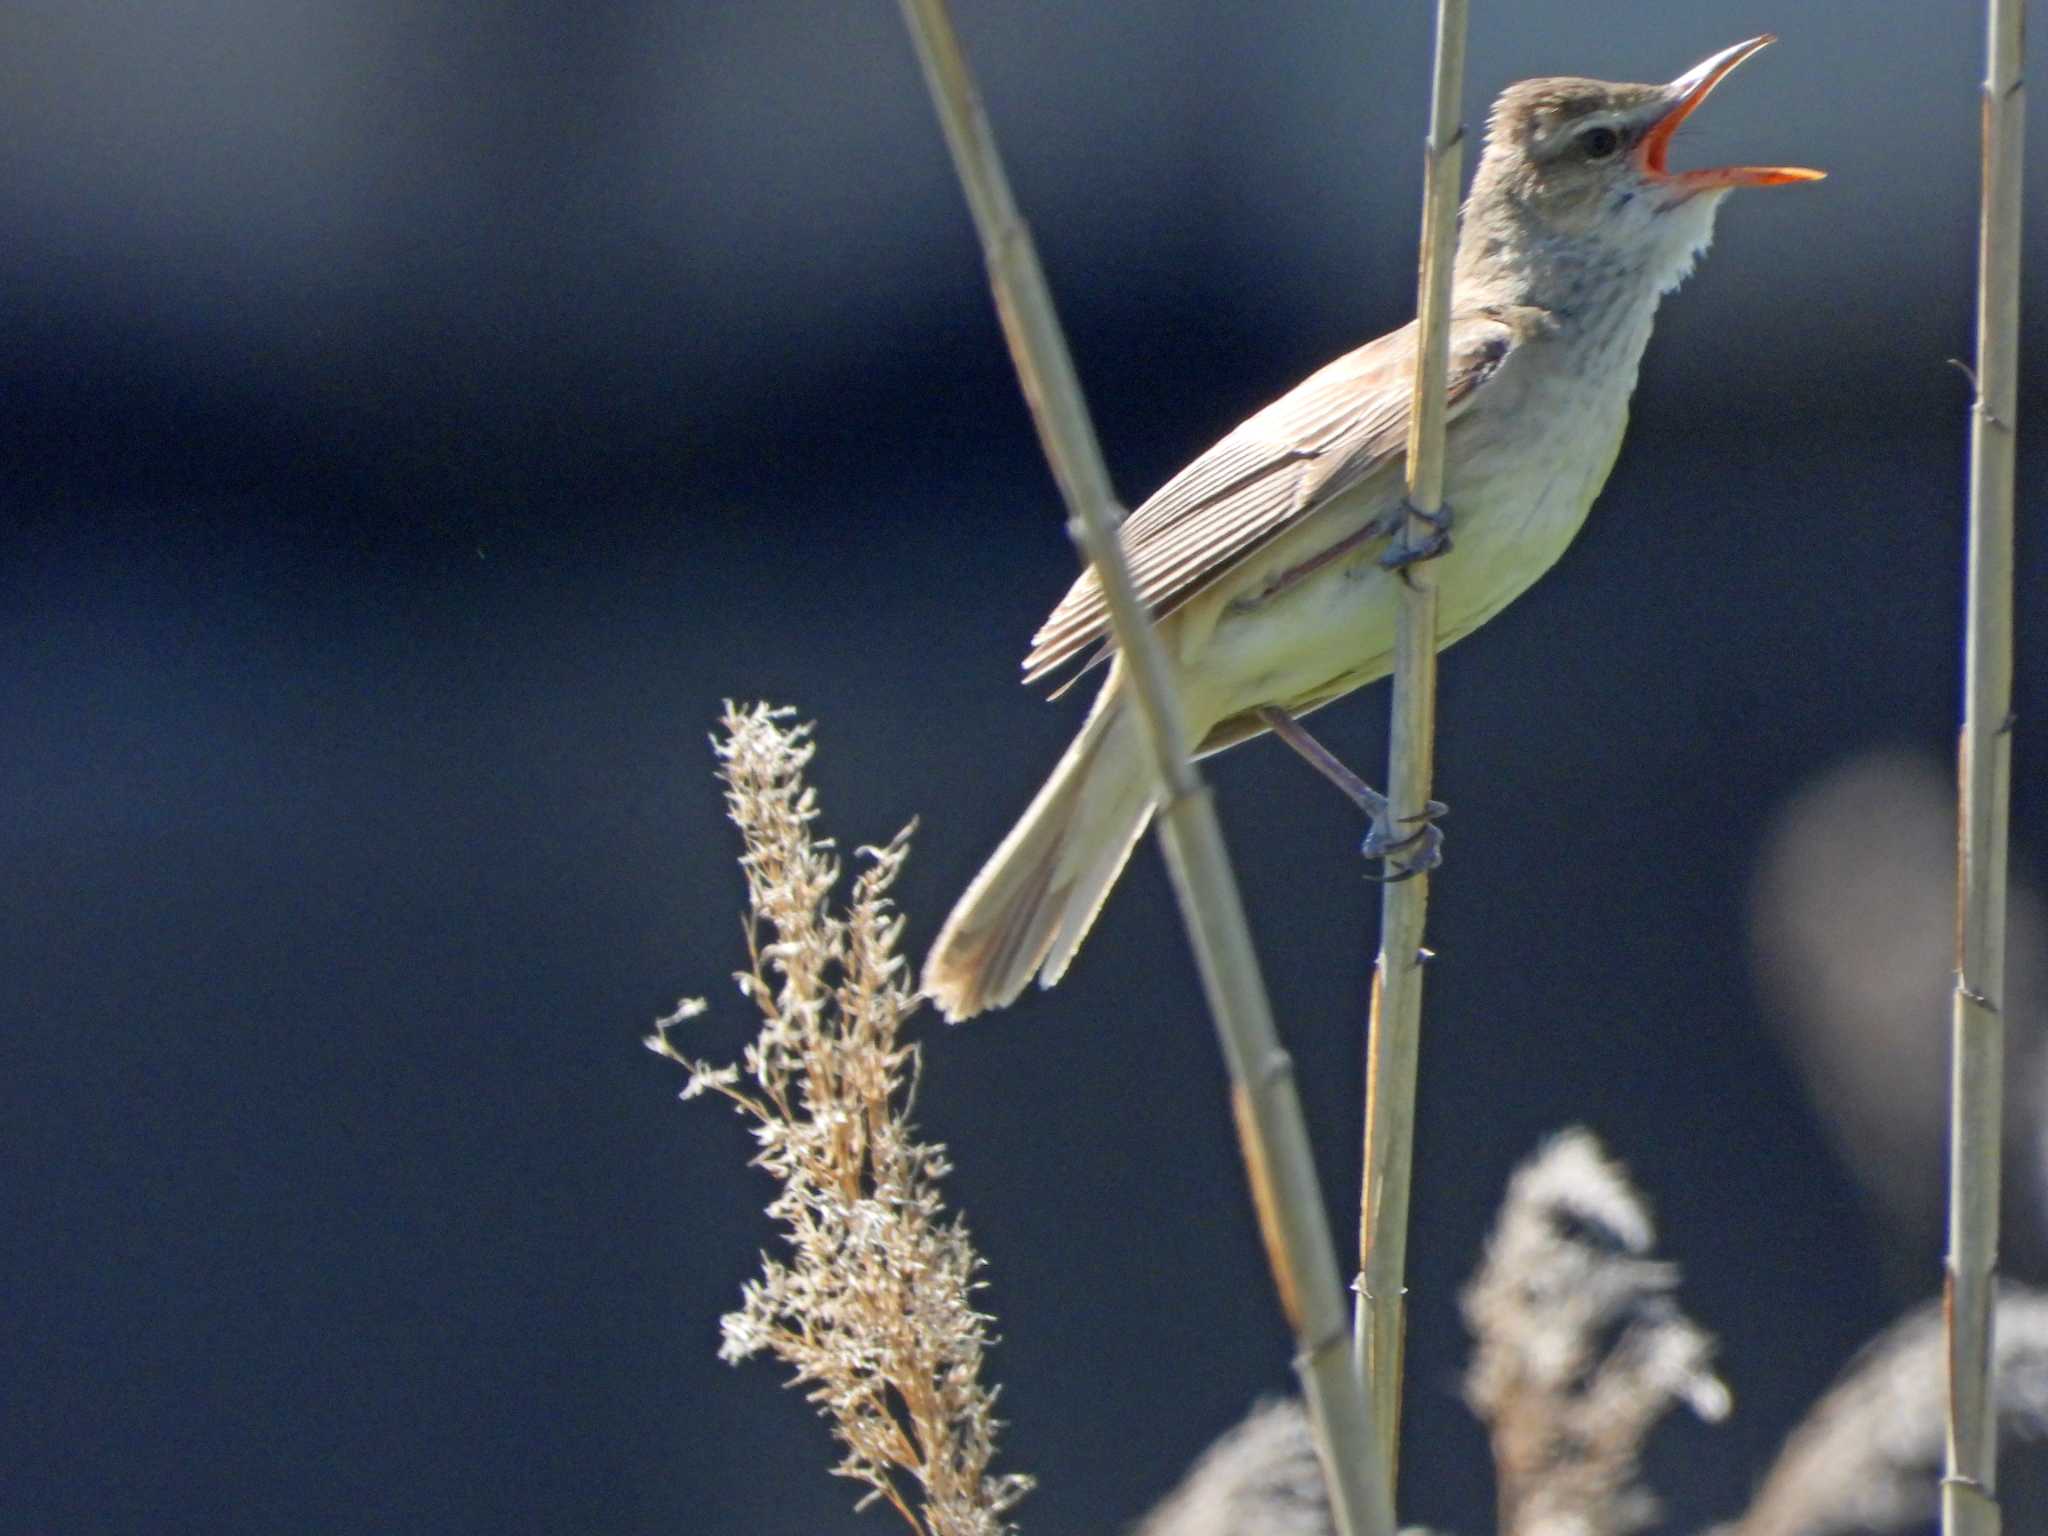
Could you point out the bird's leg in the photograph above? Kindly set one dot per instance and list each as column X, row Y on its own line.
column 1382, row 841
column 1401, row 554
column 1324, row 761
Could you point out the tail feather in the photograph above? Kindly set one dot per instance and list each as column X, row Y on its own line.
column 1088, row 893
column 1038, row 895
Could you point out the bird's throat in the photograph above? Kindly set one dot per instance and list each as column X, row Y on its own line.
column 1601, row 291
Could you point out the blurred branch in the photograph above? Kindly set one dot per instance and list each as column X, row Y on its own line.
column 1969, row 1490
column 1581, row 1347
column 1271, row 1132
column 873, row 1309
column 1865, row 1459
column 1397, row 979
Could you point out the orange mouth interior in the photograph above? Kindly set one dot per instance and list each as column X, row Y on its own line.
column 1695, row 86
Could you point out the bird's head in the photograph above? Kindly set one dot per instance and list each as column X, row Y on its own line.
column 1578, row 170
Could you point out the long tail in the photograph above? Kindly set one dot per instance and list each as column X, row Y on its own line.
column 1036, row 898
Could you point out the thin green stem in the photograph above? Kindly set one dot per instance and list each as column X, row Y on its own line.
column 1271, row 1130
column 1969, row 1502
column 1395, row 1046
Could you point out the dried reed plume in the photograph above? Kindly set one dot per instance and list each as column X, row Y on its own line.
column 1260, row 1478
column 1867, row 1457
column 1582, row 1347
column 873, row 1308
column 1580, row 1350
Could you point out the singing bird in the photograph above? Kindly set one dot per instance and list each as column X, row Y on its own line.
column 1270, row 564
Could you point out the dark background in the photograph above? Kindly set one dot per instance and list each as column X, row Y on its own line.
column 415, row 418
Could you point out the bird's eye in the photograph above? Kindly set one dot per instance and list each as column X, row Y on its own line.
column 1599, row 143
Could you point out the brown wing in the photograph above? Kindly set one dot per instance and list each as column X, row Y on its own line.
column 1316, row 441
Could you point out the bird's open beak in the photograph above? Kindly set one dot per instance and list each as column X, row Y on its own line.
column 1686, row 93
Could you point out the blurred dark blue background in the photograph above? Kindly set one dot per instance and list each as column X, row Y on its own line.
column 416, row 417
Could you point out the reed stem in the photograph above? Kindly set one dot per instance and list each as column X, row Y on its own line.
column 1272, row 1134
column 1395, row 1044
column 1969, row 1499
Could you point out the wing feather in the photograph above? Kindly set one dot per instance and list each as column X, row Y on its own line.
column 1331, row 431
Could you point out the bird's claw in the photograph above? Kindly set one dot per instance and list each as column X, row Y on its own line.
column 1401, row 554
column 1426, row 841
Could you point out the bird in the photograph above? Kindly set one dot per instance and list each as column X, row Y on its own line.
column 1270, row 565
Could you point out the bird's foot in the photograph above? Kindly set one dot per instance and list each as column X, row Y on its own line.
column 1400, row 554
column 1406, row 855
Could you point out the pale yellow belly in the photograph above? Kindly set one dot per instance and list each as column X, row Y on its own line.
column 1516, row 508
